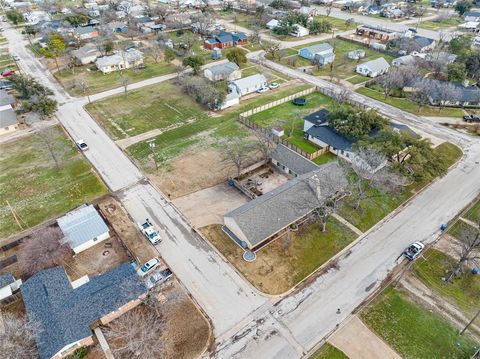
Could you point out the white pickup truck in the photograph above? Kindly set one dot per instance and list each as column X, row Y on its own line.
column 149, row 231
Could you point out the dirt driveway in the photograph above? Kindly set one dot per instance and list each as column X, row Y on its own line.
column 208, row 206
column 357, row 341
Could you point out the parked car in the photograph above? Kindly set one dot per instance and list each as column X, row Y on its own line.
column 414, row 250
column 15, row 57
column 274, row 85
column 5, row 85
column 7, row 73
column 148, row 267
column 262, row 89
column 471, row 118
column 158, row 278
column 82, row 146
column 149, row 231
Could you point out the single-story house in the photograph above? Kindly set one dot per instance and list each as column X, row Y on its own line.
column 266, row 217
column 34, row 17
column 8, row 117
column 225, row 39
column 376, row 32
column 232, row 99
column 118, row 26
column 86, row 54
column 226, row 71
column 473, row 16
column 423, row 44
column 119, row 61
column 404, row 60
column 66, row 311
column 83, row 228
column 299, row 31
column 441, row 56
column 373, row 68
column 249, row 84
column 290, row 162
column 272, row 24
column 466, row 96
column 8, row 285
column 85, row 32
column 356, row 54
column 321, row 53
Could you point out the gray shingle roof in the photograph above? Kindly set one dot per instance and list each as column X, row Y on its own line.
column 423, row 41
column 226, row 68
column 318, row 48
column 376, row 65
column 317, row 117
column 331, row 137
column 6, row 279
column 65, row 314
column 85, row 51
column 7, row 117
column 297, row 163
column 82, row 225
column 6, row 98
column 264, row 216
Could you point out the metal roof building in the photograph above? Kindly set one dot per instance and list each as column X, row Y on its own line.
column 83, row 228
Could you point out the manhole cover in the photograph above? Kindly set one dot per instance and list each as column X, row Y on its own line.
column 249, row 256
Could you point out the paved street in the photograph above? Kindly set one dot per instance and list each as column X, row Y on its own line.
column 248, row 325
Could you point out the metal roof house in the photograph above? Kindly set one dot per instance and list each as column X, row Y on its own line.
column 373, row 68
column 261, row 220
column 322, row 53
column 66, row 313
column 83, row 228
column 226, row 71
column 249, row 84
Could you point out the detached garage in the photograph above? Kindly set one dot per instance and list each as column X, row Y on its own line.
column 83, row 228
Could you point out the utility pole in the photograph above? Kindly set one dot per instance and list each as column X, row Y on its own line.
column 470, row 322
column 152, row 146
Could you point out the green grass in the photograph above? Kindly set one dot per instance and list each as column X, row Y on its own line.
column 328, row 351
column 438, row 25
column 413, row 331
column 464, row 291
column 473, row 213
column 312, row 247
column 357, row 79
column 337, row 24
column 460, row 229
column 449, row 152
column 410, row 106
column 325, row 158
column 98, row 82
column 37, row 190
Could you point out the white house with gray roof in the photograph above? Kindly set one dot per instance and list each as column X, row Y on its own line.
column 257, row 222
column 119, row 61
column 290, row 162
column 86, row 54
column 227, row 71
column 320, row 53
column 373, row 68
column 83, row 228
column 249, row 84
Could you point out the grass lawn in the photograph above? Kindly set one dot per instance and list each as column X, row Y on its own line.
column 337, row 24
column 207, row 129
column 460, row 228
column 98, row 82
column 410, row 106
column 413, row 331
column 473, row 213
column 464, row 291
column 35, row 188
column 325, row 158
column 452, row 21
column 279, row 266
column 357, row 79
column 285, row 112
column 328, row 351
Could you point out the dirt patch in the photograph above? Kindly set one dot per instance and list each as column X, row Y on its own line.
column 208, row 206
column 357, row 341
column 186, row 332
column 131, row 237
column 193, row 171
column 98, row 259
column 15, row 306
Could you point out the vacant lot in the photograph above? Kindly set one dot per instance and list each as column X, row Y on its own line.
column 463, row 291
column 337, row 24
column 410, row 106
column 413, row 331
column 96, row 81
column 440, row 24
column 282, row 264
column 34, row 189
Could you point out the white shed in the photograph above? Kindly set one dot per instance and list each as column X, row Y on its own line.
column 83, row 228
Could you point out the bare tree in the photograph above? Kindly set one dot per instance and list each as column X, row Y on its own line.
column 51, row 145
column 371, row 169
column 272, row 49
column 264, row 142
column 155, row 52
column 390, row 81
column 237, row 152
column 142, row 340
column 468, row 251
column 422, row 91
column 328, row 9
column 44, row 249
column 446, row 93
column 17, row 339
column 124, row 81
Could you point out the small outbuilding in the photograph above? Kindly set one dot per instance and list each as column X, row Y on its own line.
column 83, row 228
column 8, row 285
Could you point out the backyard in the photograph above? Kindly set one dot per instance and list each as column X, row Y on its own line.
column 441, row 23
column 283, row 264
column 410, row 106
column 34, row 189
column 413, row 331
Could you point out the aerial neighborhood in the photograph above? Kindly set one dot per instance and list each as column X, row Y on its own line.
column 274, row 179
